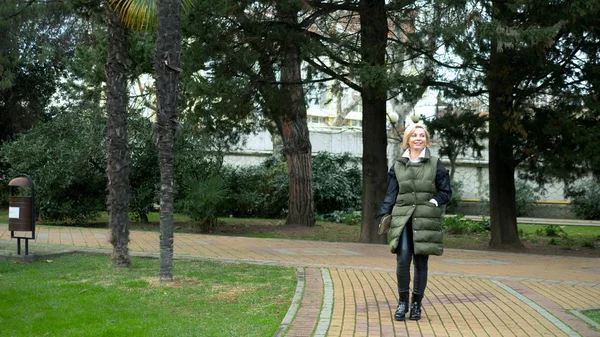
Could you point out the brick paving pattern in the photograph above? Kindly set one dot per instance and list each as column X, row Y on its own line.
column 349, row 289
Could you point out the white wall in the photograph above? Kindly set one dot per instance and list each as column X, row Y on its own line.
column 472, row 172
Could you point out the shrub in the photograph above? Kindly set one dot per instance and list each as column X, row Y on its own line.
column 588, row 244
column 457, row 193
column 525, row 197
column 456, row 224
column 347, row 217
column 484, row 225
column 257, row 191
column 337, row 182
column 483, row 207
column 4, row 193
column 568, row 242
column 460, row 225
column 144, row 176
column 202, row 200
column 263, row 190
column 586, row 200
column 66, row 159
column 551, row 231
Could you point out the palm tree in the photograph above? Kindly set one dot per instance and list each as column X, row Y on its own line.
column 118, row 155
column 290, row 117
column 166, row 67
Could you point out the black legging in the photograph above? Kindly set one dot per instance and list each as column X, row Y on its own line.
column 404, row 254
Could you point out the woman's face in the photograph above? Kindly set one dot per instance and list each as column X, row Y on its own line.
column 417, row 141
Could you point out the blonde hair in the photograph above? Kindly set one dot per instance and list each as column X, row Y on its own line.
column 410, row 130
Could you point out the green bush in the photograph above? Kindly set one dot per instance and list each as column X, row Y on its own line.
column 525, row 197
column 66, row 159
column 337, row 182
column 144, row 174
column 263, row 190
column 203, row 198
column 568, row 242
column 352, row 218
column 456, row 225
column 551, row 231
column 483, row 207
column 457, row 193
column 460, row 225
column 588, row 244
column 257, row 191
column 586, row 200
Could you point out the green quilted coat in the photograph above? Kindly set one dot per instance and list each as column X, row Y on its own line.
column 416, row 186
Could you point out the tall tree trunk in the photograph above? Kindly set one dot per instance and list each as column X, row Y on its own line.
column 503, row 211
column 118, row 154
column 301, row 210
column 374, row 29
column 166, row 67
column 294, row 131
column 502, row 163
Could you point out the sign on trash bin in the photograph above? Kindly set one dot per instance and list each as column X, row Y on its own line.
column 13, row 212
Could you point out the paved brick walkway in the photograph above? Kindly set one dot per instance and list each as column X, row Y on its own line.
column 349, row 289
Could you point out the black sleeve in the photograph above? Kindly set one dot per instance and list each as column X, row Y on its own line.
column 442, row 185
column 390, row 195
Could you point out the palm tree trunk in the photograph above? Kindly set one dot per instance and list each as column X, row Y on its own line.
column 166, row 67
column 118, row 154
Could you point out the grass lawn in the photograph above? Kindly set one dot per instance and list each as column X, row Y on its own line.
column 575, row 231
column 83, row 295
column 594, row 315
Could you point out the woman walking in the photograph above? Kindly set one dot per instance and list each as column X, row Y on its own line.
column 417, row 185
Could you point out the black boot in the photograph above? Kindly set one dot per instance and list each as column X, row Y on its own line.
column 400, row 314
column 415, row 307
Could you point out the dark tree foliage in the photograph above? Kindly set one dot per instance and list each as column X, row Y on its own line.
column 459, row 133
column 36, row 41
column 66, row 159
column 361, row 44
column 257, row 45
column 534, row 62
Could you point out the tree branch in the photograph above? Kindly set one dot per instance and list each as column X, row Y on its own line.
column 455, row 87
column 340, row 77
